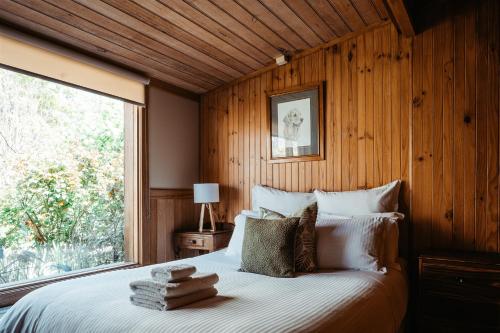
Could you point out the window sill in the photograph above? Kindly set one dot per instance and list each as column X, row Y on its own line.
column 12, row 293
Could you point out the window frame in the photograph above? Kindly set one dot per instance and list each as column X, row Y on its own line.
column 136, row 207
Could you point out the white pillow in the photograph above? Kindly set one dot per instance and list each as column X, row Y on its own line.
column 285, row 203
column 391, row 246
column 376, row 200
column 236, row 242
column 356, row 243
column 333, row 216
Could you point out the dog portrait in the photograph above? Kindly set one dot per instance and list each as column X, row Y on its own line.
column 294, row 124
column 292, row 121
column 296, row 118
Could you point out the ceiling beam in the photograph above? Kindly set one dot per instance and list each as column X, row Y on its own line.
column 400, row 16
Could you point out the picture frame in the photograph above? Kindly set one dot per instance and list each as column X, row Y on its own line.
column 295, row 130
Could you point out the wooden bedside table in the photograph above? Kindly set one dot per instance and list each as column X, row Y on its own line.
column 459, row 292
column 206, row 241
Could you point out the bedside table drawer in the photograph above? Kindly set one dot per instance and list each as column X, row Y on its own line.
column 459, row 292
column 455, row 281
column 192, row 242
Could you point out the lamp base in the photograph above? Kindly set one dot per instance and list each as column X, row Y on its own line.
column 202, row 216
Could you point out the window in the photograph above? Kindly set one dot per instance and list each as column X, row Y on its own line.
column 68, row 180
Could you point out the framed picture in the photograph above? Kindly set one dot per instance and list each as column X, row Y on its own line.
column 296, row 124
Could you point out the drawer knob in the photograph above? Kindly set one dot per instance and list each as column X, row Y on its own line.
column 193, row 241
column 460, row 280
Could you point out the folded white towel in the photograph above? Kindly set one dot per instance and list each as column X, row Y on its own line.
column 172, row 273
column 169, row 303
column 175, row 289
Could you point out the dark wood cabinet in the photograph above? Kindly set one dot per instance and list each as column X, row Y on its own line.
column 459, row 292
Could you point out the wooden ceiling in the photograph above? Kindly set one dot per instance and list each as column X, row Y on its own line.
column 197, row 45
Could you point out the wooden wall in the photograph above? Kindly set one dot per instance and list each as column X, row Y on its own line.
column 170, row 209
column 455, row 132
column 424, row 110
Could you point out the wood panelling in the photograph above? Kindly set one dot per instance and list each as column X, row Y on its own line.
column 455, row 132
column 422, row 109
column 196, row 45
column 364, row 118
column 171, row 209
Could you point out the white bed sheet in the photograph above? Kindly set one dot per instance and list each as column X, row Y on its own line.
column 334, row 301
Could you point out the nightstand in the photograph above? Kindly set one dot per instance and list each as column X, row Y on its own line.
column 206, row 241
column 459, row 292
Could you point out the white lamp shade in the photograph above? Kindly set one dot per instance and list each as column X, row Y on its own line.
column 206, row 193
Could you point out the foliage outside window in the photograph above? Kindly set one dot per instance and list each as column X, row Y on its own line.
column 61, row 179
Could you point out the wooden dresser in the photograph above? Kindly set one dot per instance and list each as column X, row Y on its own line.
column 459, row 292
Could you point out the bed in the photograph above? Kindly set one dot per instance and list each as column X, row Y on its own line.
column 326, row 301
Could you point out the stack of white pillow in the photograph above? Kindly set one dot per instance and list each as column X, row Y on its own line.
column 354, row 229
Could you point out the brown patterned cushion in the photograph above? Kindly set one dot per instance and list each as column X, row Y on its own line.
column 305, row 241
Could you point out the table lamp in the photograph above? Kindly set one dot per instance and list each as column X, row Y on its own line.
column 206, row 194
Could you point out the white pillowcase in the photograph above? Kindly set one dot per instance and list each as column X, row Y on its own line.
column 356, row 243
column 391, row 245
column 236, row 243
column 285, row 203
column 376, row 200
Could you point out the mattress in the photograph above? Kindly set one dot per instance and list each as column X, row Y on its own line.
column 329, row 301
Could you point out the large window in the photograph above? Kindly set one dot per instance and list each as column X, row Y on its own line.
column 62, row 179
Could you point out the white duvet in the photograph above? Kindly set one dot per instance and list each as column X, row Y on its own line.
column 337, row 301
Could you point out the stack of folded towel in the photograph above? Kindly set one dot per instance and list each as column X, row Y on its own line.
column 173, row 286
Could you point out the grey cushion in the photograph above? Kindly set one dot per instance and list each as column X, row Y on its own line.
column 269, row 246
